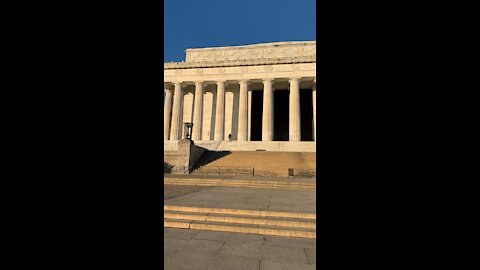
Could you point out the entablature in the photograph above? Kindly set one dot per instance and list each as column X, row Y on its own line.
column 210, row 64
column 241, row 72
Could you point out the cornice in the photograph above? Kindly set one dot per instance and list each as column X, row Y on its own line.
column 259, row 62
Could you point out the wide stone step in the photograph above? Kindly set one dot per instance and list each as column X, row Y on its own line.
column 241, row 183
column 243, row 186
column 241, row 219
column 240, row 212
column 230, row 182
column 239, row 228
column 216, row 179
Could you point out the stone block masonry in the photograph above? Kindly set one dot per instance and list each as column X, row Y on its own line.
column 182, row 160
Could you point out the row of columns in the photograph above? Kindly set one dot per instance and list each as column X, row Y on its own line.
column 172, row 131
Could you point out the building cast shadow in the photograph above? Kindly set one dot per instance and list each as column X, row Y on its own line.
column 209, row 157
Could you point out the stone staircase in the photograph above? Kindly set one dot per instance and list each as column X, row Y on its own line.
column 268, row 183
column 288, row 224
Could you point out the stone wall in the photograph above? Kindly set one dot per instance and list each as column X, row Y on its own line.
column 171, row 157
column 248, row 146
column 182, row 160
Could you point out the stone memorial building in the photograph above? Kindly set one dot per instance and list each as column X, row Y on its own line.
column 244, row 98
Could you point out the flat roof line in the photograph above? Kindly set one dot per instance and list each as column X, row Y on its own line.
column 256, row 45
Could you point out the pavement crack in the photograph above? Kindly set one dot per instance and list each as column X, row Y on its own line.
column 306, row 255
column 218, row 251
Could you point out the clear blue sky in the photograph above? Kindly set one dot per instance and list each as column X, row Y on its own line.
column 211, row 23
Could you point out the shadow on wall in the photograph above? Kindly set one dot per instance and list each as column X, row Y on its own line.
column 209, row 157
column 167, row 168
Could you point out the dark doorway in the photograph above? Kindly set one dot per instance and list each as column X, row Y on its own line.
column 306, row 113
column 281, row 115
column 257, row 111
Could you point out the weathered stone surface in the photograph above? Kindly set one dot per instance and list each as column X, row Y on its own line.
column 273, row 50
column 183, row 159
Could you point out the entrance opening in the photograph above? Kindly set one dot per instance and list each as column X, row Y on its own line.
column 281, row 115
column 306, row 113
column 256, row 116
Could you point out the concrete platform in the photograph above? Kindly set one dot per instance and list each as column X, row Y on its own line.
column 300, row 201
column 207, row 250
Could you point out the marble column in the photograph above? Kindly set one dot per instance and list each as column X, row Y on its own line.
column 220, row 112
column 243, row 112
column 249, row 110
column 198, row 112
column 294, row 128
column 167, row 114
column 314, row 101
column 267, row 120
column 177, row 98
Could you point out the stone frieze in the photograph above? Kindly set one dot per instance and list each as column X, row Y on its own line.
column 253, row 52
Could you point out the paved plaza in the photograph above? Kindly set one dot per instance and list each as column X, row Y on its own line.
column 250, row 199
column 191, row 249
column 175, row 191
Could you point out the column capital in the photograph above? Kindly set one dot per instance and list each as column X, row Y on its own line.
column 294, row 79
column 247, row 82
column 221, row 82
column 268, row 80
column 200, row 83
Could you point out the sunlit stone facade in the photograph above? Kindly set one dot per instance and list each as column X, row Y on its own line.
column 250, row 97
